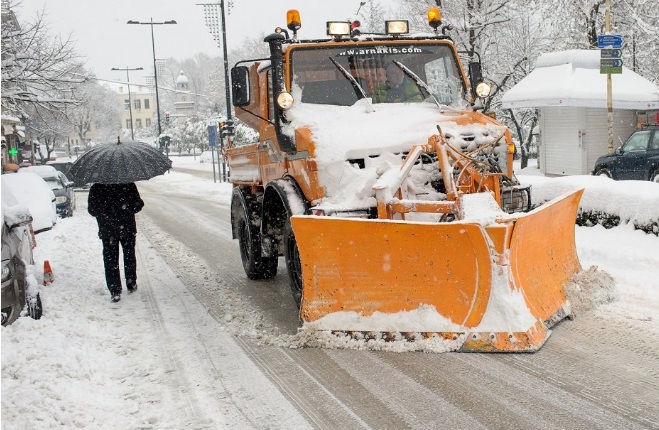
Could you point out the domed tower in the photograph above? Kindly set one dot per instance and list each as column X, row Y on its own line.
column 184, row 106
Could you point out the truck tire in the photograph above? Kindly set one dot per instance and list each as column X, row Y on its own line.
column 293, row 263
column 256, row 266
column 603, row 172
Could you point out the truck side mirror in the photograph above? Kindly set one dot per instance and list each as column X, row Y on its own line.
column 240, row 86
column 475, row 75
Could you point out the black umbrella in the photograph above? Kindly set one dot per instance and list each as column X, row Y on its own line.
column 119, row 163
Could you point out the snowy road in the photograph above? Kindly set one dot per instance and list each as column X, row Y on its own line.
column 599, row 371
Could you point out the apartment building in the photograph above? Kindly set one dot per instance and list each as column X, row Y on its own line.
column 140, row 104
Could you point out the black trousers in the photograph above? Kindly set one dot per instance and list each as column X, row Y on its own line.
column 111, row 262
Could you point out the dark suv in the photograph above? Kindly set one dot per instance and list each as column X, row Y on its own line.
column 637, row 159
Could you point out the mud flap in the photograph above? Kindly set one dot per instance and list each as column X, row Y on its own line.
column 498, row 287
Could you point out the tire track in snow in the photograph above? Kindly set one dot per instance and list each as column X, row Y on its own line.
column 213, row 372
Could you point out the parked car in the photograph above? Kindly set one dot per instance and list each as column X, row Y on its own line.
column 637, row 159
column 65, row 197
column 30, row 190
column 19, row 290
column 61, row 166
column 64, row 166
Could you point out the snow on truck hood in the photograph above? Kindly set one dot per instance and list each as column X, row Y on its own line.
column 377, row 133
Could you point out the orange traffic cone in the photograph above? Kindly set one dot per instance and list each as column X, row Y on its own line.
column 48, row 277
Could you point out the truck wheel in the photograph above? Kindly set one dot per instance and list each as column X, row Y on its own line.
column 603, row 172
column 256, row 266
column 293, row 263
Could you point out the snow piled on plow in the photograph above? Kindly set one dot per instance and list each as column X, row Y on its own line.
column 423, row 319
column 385, row 132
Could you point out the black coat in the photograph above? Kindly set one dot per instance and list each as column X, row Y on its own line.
column 114, row 206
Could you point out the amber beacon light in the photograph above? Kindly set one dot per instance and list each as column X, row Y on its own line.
column 434, row 17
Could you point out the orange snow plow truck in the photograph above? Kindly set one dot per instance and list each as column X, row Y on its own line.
column 390, row 196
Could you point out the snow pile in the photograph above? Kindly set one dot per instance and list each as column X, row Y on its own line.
column 632, row 201
column 589, row 289
column 480, row 208
column 393, row 342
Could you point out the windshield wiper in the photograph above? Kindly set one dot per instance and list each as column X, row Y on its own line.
column 361, row 94
column 425, row 89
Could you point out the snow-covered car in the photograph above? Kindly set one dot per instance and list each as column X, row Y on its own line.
column 20, row 289
column 62, row 187
column 64, row 165
column 637, row 159
column 30, row 190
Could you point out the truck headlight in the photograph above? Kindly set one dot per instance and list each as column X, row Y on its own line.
column 61, row 199
column 285, row 100
column 396, row 28
column 338, row 28
column 7, row 271
column 483, row 89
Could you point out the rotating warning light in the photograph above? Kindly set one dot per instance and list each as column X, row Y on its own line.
column 293, row 21
column 434, row 17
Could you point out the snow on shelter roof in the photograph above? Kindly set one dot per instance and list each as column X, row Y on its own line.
column 573, row 78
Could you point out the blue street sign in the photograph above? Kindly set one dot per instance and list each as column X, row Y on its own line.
column 610, row 53
column 609, row 41
column 212, row 140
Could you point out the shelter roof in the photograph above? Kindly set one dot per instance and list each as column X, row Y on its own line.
column 573, row 78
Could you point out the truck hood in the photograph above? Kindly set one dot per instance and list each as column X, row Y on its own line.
column 367, row 130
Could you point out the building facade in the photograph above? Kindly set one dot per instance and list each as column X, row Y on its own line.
column 139, row 105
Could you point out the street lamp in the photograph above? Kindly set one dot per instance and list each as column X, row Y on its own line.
column 130, row 102
column 155, row 70
column 210, row 12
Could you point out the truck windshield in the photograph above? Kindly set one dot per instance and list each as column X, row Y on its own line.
column 387, row 73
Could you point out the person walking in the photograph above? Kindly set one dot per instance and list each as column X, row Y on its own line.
column 114, row 206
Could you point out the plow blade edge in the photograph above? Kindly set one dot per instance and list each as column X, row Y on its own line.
column 496, row 288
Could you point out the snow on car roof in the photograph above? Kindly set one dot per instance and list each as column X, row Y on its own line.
column 31, row 191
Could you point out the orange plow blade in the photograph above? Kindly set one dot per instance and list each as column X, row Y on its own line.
column 498, row 287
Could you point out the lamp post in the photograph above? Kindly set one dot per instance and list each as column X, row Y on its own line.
column 130, row 102
column 210, row 13
column 155, row 70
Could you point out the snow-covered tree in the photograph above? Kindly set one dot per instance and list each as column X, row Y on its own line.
column 97, row 109
column 36, row 66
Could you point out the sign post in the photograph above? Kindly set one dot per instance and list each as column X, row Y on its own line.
column 610, row 46
column 212, row 142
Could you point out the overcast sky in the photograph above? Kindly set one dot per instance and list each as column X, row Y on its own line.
column 102, row 36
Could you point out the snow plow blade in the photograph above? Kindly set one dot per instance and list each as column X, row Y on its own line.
column 497, row 287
